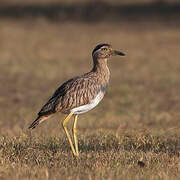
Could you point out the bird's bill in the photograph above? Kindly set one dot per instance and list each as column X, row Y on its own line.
column 115, row 52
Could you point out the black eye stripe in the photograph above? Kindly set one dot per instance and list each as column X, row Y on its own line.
column 99, row 47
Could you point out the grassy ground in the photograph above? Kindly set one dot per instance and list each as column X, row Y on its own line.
column 133, row 134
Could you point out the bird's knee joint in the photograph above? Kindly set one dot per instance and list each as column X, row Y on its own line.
column 63, row 124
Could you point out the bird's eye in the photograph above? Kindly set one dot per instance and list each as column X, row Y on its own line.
column 104, row 49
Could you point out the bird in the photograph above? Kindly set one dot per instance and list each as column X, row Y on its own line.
column 80, row 94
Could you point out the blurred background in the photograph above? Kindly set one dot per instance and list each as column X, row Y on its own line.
column 45, row 42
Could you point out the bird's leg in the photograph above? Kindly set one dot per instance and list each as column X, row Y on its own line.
column 67, row 134
column 74, row 130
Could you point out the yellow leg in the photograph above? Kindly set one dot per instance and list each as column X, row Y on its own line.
column 67, row 134
column 75, row 134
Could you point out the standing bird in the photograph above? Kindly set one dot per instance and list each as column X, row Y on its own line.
column 80, row 94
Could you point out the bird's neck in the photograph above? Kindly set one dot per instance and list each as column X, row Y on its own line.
column 100, row 68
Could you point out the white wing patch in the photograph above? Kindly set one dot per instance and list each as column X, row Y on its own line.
column 91, row 105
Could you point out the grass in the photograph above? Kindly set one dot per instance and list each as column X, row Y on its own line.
column 133, row 134
column 102, row 156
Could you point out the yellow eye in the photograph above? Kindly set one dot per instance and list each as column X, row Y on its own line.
column 104, row 49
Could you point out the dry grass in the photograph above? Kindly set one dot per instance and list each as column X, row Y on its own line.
column 103, row 156
column 133, row 134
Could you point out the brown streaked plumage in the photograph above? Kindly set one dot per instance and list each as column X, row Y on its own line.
column 80, row 94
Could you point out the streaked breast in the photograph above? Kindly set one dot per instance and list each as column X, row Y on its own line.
column 87, row 107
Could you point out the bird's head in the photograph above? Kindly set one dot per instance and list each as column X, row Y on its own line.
column 105, row 51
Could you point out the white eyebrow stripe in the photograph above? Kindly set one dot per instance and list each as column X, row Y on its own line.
column 100, row 49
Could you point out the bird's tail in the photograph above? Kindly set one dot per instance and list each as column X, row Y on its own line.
column 37, row 121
